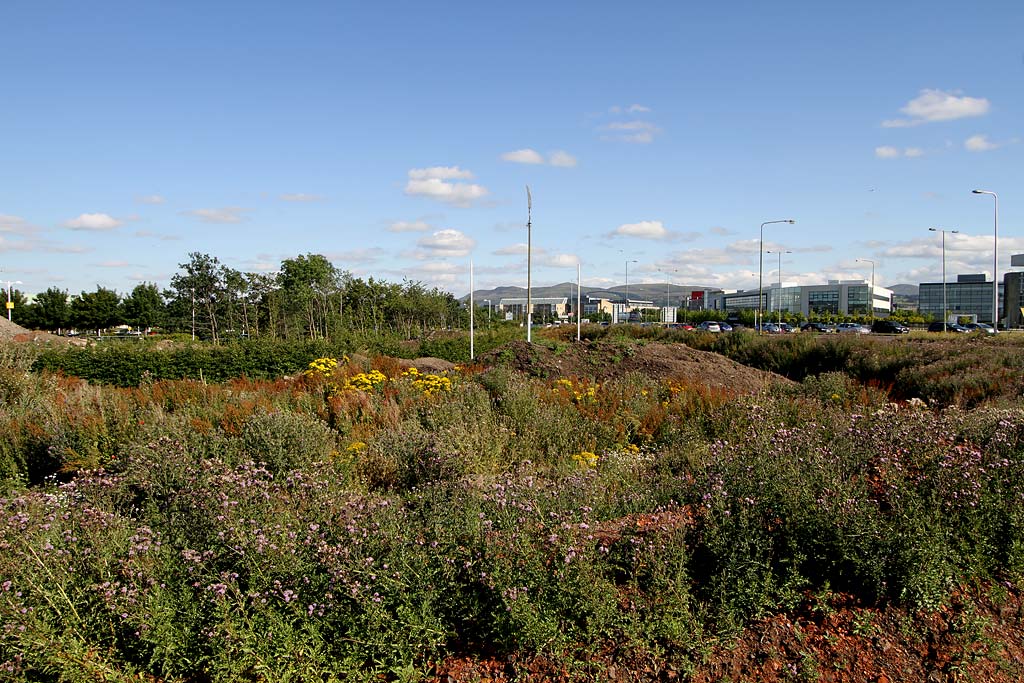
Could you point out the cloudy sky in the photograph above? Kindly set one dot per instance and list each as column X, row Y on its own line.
column 397, row 138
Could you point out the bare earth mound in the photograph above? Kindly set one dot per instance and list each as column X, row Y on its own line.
column 10, row 331
column 602, row 361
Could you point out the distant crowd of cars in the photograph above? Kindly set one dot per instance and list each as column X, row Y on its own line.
column 884, row 326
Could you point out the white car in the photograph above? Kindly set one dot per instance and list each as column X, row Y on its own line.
column 709, row 326
column 852, row 328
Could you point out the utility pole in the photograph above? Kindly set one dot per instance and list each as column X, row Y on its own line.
column 529, row 247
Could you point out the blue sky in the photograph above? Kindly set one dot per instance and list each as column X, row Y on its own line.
column 396, row 138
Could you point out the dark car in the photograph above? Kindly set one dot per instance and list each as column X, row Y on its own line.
column 946, row 327
column 889, row 327
column 823, row 328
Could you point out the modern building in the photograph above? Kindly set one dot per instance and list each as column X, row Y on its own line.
column 838, row 297
column 1013, row 294
column 514, row 308
column 969, row 296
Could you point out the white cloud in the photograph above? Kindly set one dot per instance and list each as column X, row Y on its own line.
column 300, row 197
column 440, row 173
column 157, row 235
column 511, row 250
column 15, row 225
column 650, row 230
column 562, row 159
column 979, row 143
column 93, row 221
column 889, row 152
column 112, row 264
column 523, row 156
column 227, row 214
column 561, row 260
column 637, row 109
column 151, row 199
column 433, row 183
column 448, row 242
column 637, row 132
column 364, row 255
column 529, row 156
column 409, row 226
column 719, row 230
column 938, row 105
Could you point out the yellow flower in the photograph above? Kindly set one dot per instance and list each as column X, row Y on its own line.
column 585, row 459
column 322, row 367
column 356, row 447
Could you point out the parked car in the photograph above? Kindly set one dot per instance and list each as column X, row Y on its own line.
column 822, row 328
column 786, row 328
column 770, row 328
column 946, row 327
column 852, row 328
column 980, row 327
column 725, row 327
column 709, row 326
column 889, row 327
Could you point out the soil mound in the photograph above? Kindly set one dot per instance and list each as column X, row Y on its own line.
column 10, row 331
column 602, row 361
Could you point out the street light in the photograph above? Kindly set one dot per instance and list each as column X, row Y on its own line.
column 945, row 309
column 760, row 268
column 10, row 301
column 488, row 302
column 628, row 261
column 995, row 261
column 780, row 253
column 871, row 294
column 529, row 243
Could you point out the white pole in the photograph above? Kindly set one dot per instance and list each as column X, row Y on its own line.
column 579, row 298
column 529, row 251
column 471, row 307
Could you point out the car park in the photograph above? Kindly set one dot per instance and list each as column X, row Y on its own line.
column 889, row 327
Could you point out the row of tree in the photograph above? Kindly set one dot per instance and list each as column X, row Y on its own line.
column 307, row 298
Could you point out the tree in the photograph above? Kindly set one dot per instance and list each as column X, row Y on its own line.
column 144, row 307
column 96, row 310
column 200, row 289
column 50, row 310
column 308, row 284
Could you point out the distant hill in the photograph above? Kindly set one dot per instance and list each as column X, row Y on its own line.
column 904, row 290
column 637, row 291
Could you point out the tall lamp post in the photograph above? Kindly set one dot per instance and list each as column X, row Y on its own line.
column 760, row 269
column 488, row 302
column 628, row 261
column 995, row 261
column 945, row 308
column 871, row 294
column 10, row 301
column 780, row 252
column 529, row 245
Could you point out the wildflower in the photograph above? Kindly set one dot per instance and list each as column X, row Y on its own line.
column 585, row 459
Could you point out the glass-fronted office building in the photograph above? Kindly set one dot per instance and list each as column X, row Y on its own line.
column 970, row 295
column 838, row 297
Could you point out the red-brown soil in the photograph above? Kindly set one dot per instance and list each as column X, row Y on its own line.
column 607, row 360
column 977, row 637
